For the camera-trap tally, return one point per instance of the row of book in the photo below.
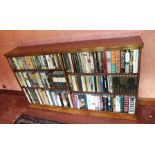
(117, 84)
(88, 83)
(48, 97)
(118, 103)
(121, 104)
(42, 79)
(51, 61)
(118, 61)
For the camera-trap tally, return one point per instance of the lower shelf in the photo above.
(85, 112)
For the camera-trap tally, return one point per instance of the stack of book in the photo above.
(36, 62)
(59, 79)
(118, 61)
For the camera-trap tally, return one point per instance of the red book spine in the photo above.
(126, 104)
(104, 62)
(72, 98)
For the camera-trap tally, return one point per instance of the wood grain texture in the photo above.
(84, 112)
(76, 46)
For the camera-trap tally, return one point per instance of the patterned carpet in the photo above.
(27, 119)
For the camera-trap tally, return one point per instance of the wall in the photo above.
(12, 39)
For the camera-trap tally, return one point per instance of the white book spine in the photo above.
(70, 61)
(118, 104)
(70, 101)
(83, 83)
(59, 102)
(135, 61)
(49, 98)
(74, 83)
(26, 79)
(108, 55)
(40, 101)
(54, 98)
(27, 95)
(132, 102)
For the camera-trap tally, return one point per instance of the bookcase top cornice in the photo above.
(76, 46)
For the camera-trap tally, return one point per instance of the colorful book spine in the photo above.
(126, 104)
(118, 64)
(113, 62)
(104, 62)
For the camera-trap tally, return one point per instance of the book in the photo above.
(104, 62)
(119, 104)
(92, 102)
(113, 62)
(126, 104)
(118, 64)
(123, 61)
(108, 56)
(135, 60)
(132, 101)
(127, 61)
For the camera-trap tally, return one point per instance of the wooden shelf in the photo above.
(102, 93)
(112, 43)
(84, 112)
(37, 70)
(45, 88)
(101, 73)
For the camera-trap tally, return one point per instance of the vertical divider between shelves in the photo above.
(15, 75)
(138, 77)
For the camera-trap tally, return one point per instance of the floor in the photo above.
(12, 106)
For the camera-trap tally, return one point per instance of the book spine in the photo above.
(126, 104)
(113, 62)
(132, 102)
(108, 55)
(118, 62)
(135, 61)
(79, 82)
(123, 61)
(127, 61)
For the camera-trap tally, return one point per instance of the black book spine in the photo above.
(74, 62)
(105, 103)
(45, 61)
(79, 82)
(61, 100)
(66, 62)
(105, 84)
(97, 62)
(94, 59)
(123, 61)
(68, 103)
(95, 83)
(77, 63)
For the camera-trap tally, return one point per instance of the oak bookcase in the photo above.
(69, 47)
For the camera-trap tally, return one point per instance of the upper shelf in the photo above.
(114, 43)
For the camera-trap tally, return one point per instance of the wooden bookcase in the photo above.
(80, 46)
